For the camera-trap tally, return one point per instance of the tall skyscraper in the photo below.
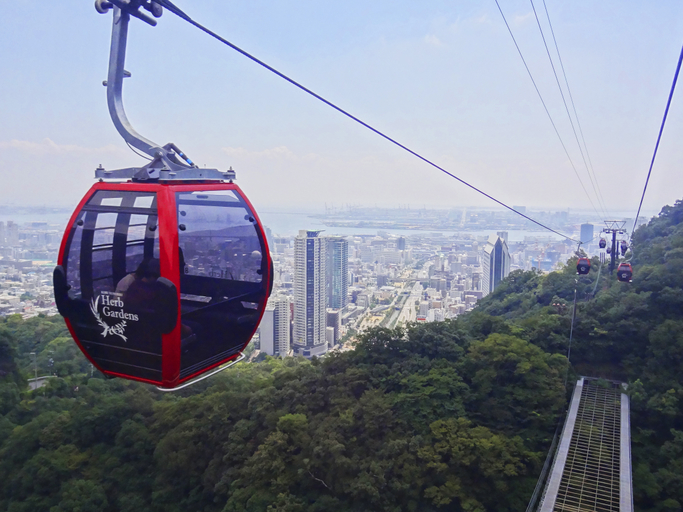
(495, 263)
(270, 239)
(337, 273)
(586, 233)
(12, 233)
(310, 294)
(274, 328)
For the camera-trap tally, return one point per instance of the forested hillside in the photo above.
(447, 416)
(410, 420)
(628, 331)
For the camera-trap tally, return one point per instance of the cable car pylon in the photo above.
(614, 227)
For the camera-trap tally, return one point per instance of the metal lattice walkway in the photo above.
(592, 467)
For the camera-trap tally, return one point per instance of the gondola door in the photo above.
(109, 286)
(225, 275)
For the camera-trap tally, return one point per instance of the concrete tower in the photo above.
(310, 294)
(495, 264)
(586, 233)
(274, 329)
(337, 273)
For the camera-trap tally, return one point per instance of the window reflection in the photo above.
(119, 316)
(218, 238)
(221, 283)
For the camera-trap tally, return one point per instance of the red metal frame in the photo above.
(170, 267)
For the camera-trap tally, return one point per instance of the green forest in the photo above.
(454, 416)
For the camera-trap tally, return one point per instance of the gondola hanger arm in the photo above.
(168, 161)
(116, 73)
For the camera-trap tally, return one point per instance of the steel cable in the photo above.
(175, 10)
(546, 110)
(571, 100)
(659, 138)
(566, 108)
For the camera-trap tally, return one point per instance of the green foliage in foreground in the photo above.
(423, 419)
(632, 332)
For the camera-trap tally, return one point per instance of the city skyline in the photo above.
(326, 289)
(288, 223)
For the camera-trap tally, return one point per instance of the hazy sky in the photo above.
(443, 78)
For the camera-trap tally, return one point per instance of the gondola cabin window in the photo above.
(112, 267)
(222, 269)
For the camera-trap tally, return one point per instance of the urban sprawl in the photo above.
(327, 288)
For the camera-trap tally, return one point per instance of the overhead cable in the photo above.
(566, 108)
(571, 100)
(172, 8)
(546, 110)
(597, 280)
(659, 138)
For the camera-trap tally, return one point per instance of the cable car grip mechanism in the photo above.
(168, 162)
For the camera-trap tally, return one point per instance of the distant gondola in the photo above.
(624, 247)
(625, 273)
(603, 243)
(583, 266)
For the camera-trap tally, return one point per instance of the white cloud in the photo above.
(433, 40)
(519, 19)
(281, 153)
(47, 146)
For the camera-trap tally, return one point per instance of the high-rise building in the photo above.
(586, 233)
(274, 328)
(334, 322)
(329, 336)
(337, 273)
(12, 233)
(367, 254)
(310, 294)
(401, 244)
(495, 263)
(270, 239)
(476, 281)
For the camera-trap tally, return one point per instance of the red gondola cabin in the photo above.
(162, 282)
(583, 266)
(625, 272)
